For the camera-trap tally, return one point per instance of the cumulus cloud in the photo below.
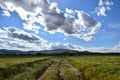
(69, 22)
(108, 3)
(52, 18)
(31, 26)
(15, 33)
(8, 44)
(69, 11)
(25, 9)
(17, 39)
(103, 7)
(100, 2)
(85, 20)
(29, 6)
(58, 45)
(6, 13)
(57, 21)
(18, 45)
(27, 46)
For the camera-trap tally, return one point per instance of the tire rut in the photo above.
(59, 76)
(61, 69)
(68, 72)
(43, 70)
(52, 72)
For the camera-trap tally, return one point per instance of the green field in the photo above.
(11, 60)
(85, 67)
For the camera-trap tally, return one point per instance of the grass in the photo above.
(85, 67)
(33, 72)
(6, 61)
(97, 67)
(14, 69)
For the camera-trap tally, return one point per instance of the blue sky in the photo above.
(92, 25)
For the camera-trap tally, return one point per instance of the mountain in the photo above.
(46, 52)
(54, 52)
(58, 51)
(5, 51)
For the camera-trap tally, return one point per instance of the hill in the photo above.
(54, 52)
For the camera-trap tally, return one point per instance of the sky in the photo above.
(83, 25)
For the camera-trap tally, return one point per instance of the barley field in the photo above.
(84, 67)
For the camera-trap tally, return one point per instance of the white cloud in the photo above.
(103, 7)
(100, 2)
(58, 45)
(31, 26)
(108, 3)
(85, 20)
(24, 45)
(83, 26)
(101, 11)
(24, 9)
(15, 33)
(31, 21)
(87, 26)
(68, 24)
(29, 6)
(17, 39)
(69, 11)
(6, 13)
(52, 18)
(18, 45)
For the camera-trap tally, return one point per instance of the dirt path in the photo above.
(52, 73)
(61, 69)
(57, 68)
(68, 72)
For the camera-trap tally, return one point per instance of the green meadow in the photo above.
(84, 67)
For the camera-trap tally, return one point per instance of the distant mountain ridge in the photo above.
(5, 51)
(49, 52)
(56, 51)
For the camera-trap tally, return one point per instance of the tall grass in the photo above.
(97, 67)
(61, 68)
(34, 72)
(6, 61)
(7, 72)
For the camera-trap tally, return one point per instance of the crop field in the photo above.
(11, 60)
(97, 67)
(85, 67)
